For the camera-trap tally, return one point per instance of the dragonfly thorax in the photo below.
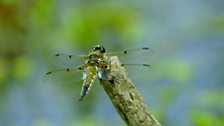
(93, 59)
(92, 62)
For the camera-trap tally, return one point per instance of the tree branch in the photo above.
(125, 98)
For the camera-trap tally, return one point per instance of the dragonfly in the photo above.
(94, 63)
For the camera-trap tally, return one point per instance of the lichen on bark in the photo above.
(126, 99)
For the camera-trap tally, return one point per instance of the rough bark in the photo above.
(125, 98)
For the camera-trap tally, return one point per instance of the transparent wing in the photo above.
(138, 72)
(65, 75)
(127, 52)
(140, 65)
(72, 57)
(135, 57)
(66, 60)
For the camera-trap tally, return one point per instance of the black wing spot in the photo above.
(67, 69)
(48, 73)
(70, 56)
(146, 65)
(145, 48)
(125, 52)
(122, 65)
(57, 54)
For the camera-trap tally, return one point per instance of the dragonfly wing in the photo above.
(128, 52)
(138, 71)
(65, 75)
(67, 60)
(138, 65)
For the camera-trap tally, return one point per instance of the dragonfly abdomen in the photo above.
(88, 80)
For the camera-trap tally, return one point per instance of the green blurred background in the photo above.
(184, 87)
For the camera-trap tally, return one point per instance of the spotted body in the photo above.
(96, 60)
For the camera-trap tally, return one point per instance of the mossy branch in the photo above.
(125, 98)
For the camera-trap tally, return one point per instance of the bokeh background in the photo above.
(184, 87)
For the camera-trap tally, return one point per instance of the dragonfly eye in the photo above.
(99, 48)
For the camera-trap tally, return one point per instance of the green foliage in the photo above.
(204, 118)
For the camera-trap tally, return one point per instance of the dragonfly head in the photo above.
(98, 48)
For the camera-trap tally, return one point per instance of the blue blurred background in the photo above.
(184, 87)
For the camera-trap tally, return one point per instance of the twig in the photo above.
(125, 98)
